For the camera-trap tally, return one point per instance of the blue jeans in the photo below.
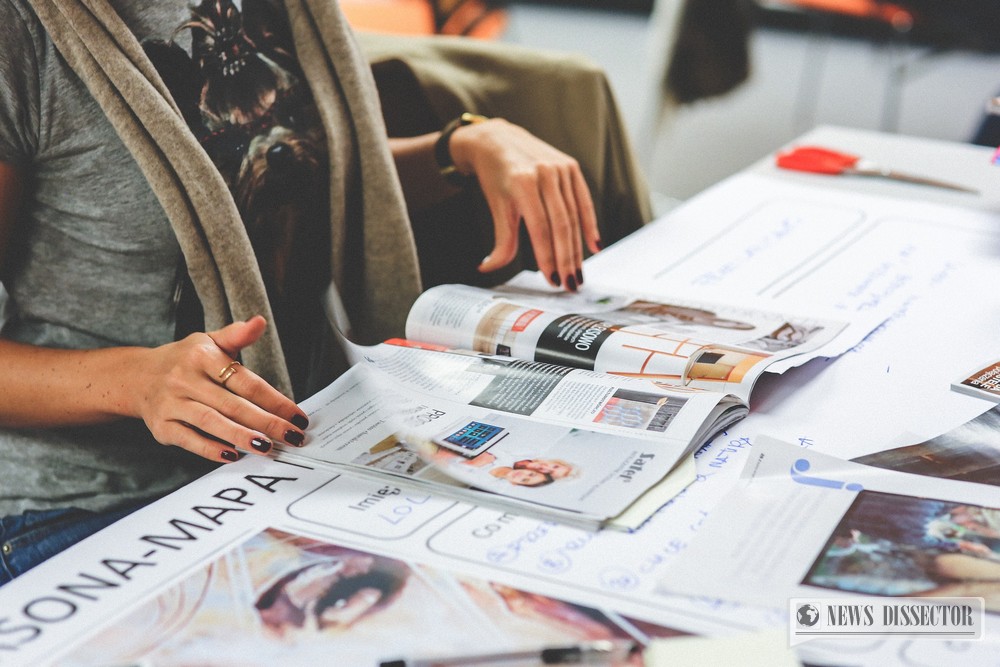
(30, 538)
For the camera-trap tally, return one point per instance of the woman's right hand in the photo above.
(184, 398)
(176, 388)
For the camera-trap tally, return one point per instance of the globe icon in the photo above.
(807, 615)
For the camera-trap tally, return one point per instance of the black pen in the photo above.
(604, 652)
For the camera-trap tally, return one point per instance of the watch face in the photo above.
(472, 438)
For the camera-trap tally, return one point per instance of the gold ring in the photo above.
(228, 372)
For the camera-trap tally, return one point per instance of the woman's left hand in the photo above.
(525, 179)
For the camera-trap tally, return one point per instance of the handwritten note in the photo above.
(376, 509)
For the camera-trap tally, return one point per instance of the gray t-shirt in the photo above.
(93, 263)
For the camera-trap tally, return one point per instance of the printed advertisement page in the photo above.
(577, 444)
(625, 406)
(680, 344)
(795, 336)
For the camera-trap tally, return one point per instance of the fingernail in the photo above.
(579, 276)
(294, 438)
(600, 244)
(301, 421)
(555, 279)
(571, 283)
(229, 455)
(261, 444)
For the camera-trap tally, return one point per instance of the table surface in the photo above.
(965, 164)
(452, 546)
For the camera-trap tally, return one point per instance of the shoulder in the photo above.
(16, 14)
(20, 29)
(22, 45)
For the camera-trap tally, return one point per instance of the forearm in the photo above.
(45, 387)
(190, 393)
(525, 182)
(11, 193)
(418, 171)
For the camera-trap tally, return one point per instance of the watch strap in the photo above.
(442, 151)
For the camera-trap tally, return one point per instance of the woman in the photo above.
(522, 476)
(555, 468)
(105, 352)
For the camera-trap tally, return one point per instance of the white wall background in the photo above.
(798, 80)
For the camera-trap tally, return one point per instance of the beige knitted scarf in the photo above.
(109, 59)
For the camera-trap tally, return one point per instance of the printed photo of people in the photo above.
(788, 335)
(535, 472)
(555, 468)
(895, 545)
(785, 336)
(651, 312)
(291, 599)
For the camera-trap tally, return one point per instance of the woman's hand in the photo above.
(178, 389)
(193, 395)
(524, 178)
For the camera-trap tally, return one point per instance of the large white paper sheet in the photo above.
(921, 273)
(234, 568)
(925, 273)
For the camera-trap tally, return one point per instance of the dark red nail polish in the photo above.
(579, 277)
(571, 283)
(301, 421)
(600, 244)
(261, 445)
(294, 438)
(555, 279)
(229, 455)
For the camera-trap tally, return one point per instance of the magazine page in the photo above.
(673, 343)
(500, 429)
(857, 530)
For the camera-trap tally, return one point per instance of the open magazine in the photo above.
(567, 406)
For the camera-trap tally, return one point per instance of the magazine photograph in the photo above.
(294, 599)
(904, 546)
